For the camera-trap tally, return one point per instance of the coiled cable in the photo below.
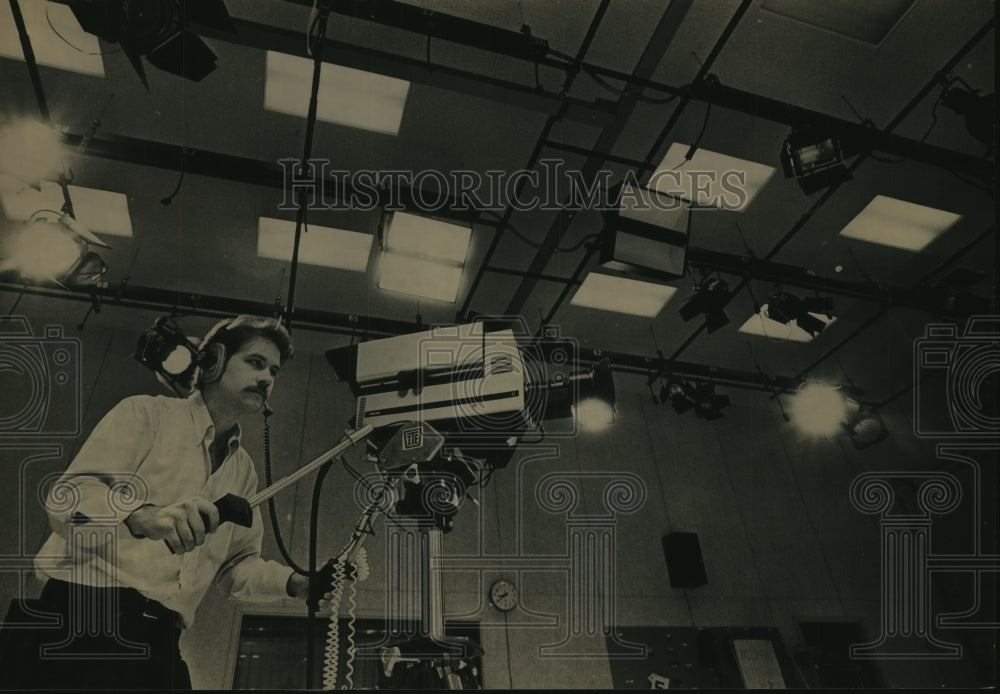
(331, 655)
(331, 652)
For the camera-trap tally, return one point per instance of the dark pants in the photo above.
(78, 637)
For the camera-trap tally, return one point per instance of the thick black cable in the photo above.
(270, 504)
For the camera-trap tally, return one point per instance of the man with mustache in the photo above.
(136, 529)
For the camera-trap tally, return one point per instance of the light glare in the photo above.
(818, 409)
(41, 251)
(30, 151)
(593, 414)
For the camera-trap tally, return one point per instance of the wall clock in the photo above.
(503, 595)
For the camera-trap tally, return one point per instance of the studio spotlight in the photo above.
(864, 425)
(708, 405)
(686, 395)
(157, 29)
(710, 299)
(818, 409)
(784, 307)
(815, 159)
(54, 251)
(166, 351)
(977, 110)
(680, 395)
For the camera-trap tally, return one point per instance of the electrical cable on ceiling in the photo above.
(689, 155)
(311, 26)
(535, 244)
(170, 198)
(974, 184)
(67, 41)
(860, 267)
(591, 72)
(743, 239)
(886, 160)
(594, 75)
(768, 381)
(930, 128)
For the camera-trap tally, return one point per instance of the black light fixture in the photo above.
(646, 235)
(815, 159)
(684, 395)
(864, 425)
(784, 307)
(680, 394)
(977, 110)
(710, 299)
(165, 350)
(157, 29)
(708, 404)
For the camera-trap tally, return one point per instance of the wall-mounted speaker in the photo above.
(684, 562)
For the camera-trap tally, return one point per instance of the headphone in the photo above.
(212, 362)
(212, 357)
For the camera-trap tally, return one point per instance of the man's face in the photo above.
(249, 374)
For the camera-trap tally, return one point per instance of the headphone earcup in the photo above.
(212, 361)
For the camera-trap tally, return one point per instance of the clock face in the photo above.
(503, 595)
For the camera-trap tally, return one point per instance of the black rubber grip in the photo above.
(232, 509)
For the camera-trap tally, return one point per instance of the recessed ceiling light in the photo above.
(900, 224)
(324, 246)
(101, 211)
(422, 236)
(760, 324)
(856, 19)
(420, 277)
(346, 96)
(709, 179)
(76, 50)
(622, 295)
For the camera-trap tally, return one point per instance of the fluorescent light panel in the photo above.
(101, 211)
(760, 324)
(900, 224)
(678, 179)
(83, 56)
(420, 277)
(422, 236)
(622, 295)
(324, 246)
(346, 96)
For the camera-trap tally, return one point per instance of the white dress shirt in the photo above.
(155, 450)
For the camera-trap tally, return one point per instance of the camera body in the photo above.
(41, 381)
(971, 367)
(482, 384)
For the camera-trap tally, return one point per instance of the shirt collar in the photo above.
(203, 425)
